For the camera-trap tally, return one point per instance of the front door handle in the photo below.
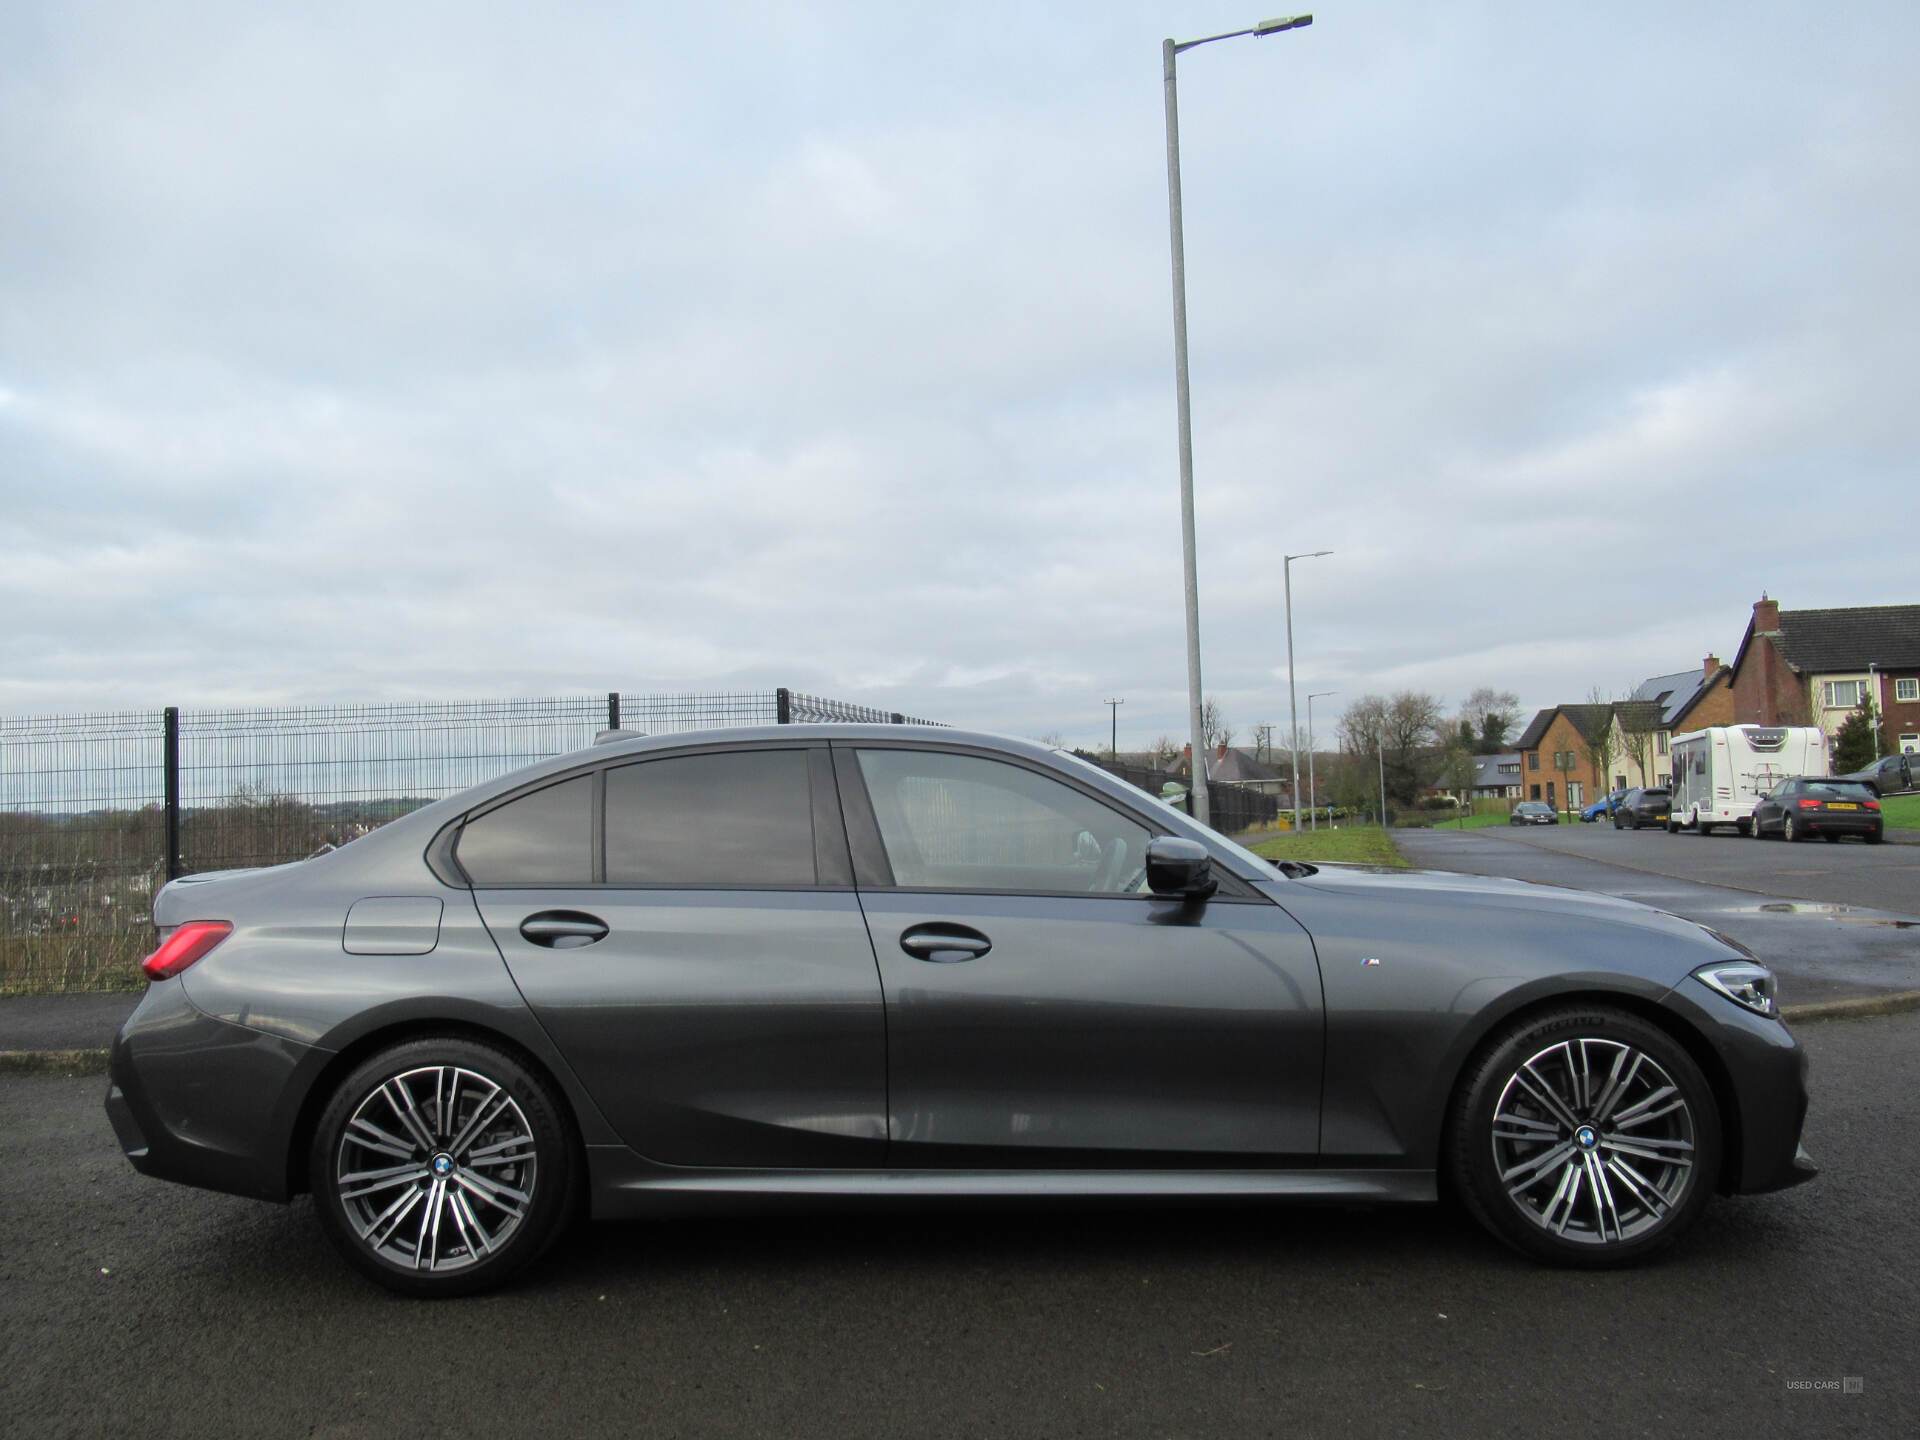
(562, 929)
(944, 944)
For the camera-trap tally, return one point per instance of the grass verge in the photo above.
(1351, 844)
(1901, 812)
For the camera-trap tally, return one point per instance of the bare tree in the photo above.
(1166, 750)
(1487, 715)
(1213, 726)
(1403, 731)
(1639, 720)
(1598, 743)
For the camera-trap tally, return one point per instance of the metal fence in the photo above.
(1231, 808)
(97, 811)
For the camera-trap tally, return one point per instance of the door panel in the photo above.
(1097, 1030)
(738, 1028)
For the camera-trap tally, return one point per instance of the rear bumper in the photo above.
(1818, 824)
(201, 1101)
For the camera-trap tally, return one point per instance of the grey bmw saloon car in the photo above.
(850, 963)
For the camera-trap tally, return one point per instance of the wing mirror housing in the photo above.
(1176, 866)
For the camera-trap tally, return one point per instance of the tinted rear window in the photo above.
(741, 818)
(545, 838)
(1840, 790)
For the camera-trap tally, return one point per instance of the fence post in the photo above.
(613, 709)
(170, 753)
(783, 706)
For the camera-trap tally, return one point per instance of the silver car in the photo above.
(750, 968)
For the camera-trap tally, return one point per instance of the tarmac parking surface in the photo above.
(132, 1305)
(1833, 921)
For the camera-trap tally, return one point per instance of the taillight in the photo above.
(1809, 804)
(1869, 804)
(184, 946)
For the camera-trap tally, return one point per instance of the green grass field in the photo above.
(1354, 844)
(1902, 812)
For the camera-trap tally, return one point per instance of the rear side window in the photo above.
(545, 838)
(741, 818)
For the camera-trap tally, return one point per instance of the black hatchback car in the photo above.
(1533, 812)
(1650, 806)
(1810, 805)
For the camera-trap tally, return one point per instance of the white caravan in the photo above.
(1721, 772)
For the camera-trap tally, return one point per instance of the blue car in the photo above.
(1602, 807)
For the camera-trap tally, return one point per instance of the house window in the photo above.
(1842, 694)
(1660, 742)
(1573, 794)
(1533, 763)
(1619, 782)
(1908, 689)
(1534, 792)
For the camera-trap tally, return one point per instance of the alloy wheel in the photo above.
(1593, 1141)
(436, 1168)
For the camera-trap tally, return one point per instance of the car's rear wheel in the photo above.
(442, 1166)
(1585, 1136)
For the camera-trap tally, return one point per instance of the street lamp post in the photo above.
(1168, 50)
(1313, 790)
(1293, 714)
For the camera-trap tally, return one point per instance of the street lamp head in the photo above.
(1290, 22)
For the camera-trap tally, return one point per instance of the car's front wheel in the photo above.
(442, 1166)
(1585, 1136)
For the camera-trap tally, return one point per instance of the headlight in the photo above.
(1744, 983)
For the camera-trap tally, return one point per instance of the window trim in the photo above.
(873, 871)
(832, 866)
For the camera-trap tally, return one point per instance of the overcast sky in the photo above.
(398, 350)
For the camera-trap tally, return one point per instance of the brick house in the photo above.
(1684, 701)
(1813, 667)
(1554, 763)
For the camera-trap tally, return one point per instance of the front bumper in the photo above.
(204, 1102)
(1764, 1095)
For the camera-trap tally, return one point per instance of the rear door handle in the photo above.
(562, 929)
(944, 944)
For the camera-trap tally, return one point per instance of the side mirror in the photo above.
(1179, 867)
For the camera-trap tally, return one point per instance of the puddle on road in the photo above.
(1848, 914)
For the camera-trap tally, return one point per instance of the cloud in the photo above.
(411, 350)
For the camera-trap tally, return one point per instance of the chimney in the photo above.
(1766, 616)
(1221, 752)
(1711, 665)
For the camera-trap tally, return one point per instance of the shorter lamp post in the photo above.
(1313, 791)
(1293, 712)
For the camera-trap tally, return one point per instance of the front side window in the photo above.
(738, 818)
(960, 822)
(544, 838)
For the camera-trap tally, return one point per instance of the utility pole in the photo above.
(1113, 716)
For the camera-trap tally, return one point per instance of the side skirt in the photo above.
(628, 1187)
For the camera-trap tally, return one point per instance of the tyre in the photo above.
(1616, 819)
(1673, 826)
(1789, 831)
(1873, 837)
(442, 1166)
(1585, 1136)
(1700, 822)
(1744, 827)
(1633, 822)
(1753, 829)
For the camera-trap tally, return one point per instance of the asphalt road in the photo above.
(132, 1305)
(1812, 912)
(1850, 872)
